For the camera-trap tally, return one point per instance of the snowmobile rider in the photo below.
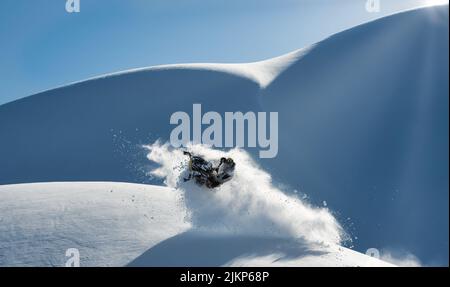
(205, 174)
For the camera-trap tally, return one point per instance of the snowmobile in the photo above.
(203, 172)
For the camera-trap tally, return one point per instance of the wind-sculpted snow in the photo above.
(250, 203)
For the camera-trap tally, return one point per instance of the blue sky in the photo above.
(42, 46)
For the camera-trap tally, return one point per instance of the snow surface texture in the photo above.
(109, 223)
(363, 119)
(117, 224)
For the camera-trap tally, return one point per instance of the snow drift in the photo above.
(248, 204)
(117, 224)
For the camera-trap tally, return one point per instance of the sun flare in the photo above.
(435, 2)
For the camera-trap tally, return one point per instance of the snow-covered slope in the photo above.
(118, 224)
(110, 223)
(363, 125)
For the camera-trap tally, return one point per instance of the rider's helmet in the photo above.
(230, 162)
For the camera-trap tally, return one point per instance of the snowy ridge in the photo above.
(261, 72)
